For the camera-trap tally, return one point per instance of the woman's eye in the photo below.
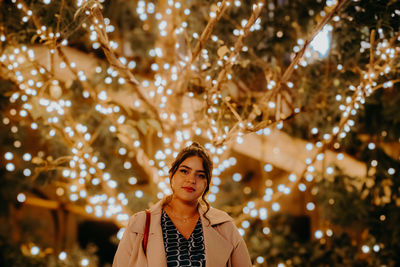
(183, 171)
(202, 176)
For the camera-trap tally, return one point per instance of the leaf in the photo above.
(369, 182)
(37, 160)
(222, 51)
(143, 127)
(129, 131)
(214, 8)
(37, 110)
(133, 133)
(364, 194)
(123, 138)
(257, 109)
(183, 49)
(156, 125)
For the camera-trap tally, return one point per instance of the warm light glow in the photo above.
(62, 256)
(35, 250)
(44, 104)
(321, 42)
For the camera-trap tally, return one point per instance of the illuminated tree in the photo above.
(98, 97)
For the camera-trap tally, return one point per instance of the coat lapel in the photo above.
(156, 241)
(218, 249)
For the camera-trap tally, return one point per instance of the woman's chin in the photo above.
(189, 199)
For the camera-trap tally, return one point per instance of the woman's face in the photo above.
(189, 181)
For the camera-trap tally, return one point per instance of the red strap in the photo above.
(146, 231)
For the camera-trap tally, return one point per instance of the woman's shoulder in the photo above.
(137, 222)
(225, 225)
(217, 216)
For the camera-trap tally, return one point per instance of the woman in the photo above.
(183, 231)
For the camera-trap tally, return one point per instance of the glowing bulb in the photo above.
(329, 232)
(21, 197)
(292, 177)
(310, 206)
(321, 42)
(212, 197)
(84, 262)
(27, 172)
(371, 146)
(318, 234)
(139, 194)
(10, 167)
(112, 184)
(263, 213)
(8, 156)
(302, 187)
(329, 170)
(268, 167)
(62, 256)
(276, 207)
(35, 250)
(245, 224)
(237, 177)
(365, 248)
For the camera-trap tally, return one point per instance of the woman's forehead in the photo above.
(193, 162)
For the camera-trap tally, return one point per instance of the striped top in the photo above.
(179, 251)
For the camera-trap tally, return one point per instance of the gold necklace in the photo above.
(180, 218)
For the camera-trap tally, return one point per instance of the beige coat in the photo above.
(223, 244)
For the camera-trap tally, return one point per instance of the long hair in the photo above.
(195, 149)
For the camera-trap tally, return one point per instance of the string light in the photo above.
(62, 255)
(80, 135)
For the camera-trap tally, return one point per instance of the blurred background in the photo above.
(297, 101)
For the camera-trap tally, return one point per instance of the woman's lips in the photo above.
(188, 189)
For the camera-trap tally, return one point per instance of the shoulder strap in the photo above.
(146, 231)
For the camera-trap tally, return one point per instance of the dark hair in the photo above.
(195, 149)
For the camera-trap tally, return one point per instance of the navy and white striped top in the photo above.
(179, 251)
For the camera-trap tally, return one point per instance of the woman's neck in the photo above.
(181, 208)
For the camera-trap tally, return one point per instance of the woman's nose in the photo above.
(191, 178)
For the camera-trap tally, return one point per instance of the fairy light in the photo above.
(260, 260)
(62, 256)
(302, 187)
(365, 249)
(310, 206)
(266, 230)
(10, 167)
(329, 232)
(8, 156)
(329, 170)
(35, 250)
(85, 262)
(263, 213)
(276, 207)
(318, 234)
(237, 177)
(371, 146)
(21, 197)
(321, 42)
(268, 168)
(245, 224)
(144, 11)
(27, 172)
